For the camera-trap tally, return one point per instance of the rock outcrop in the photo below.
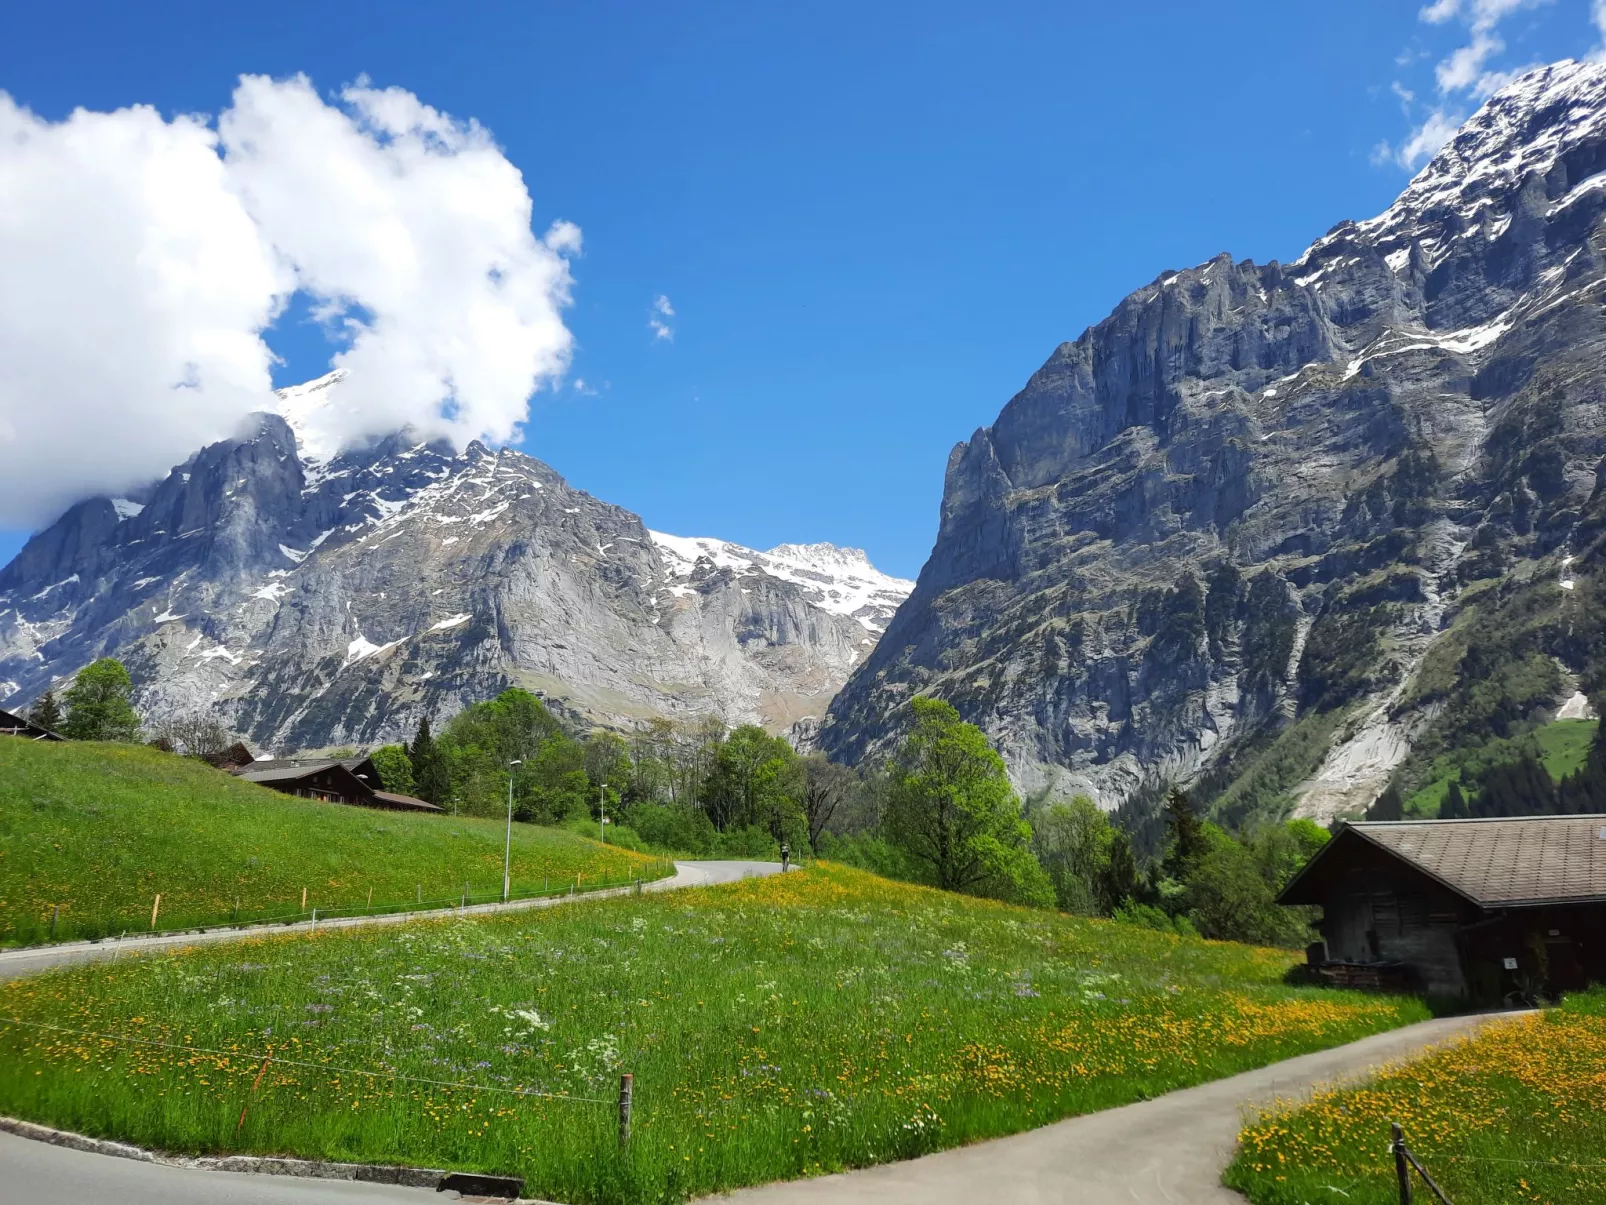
(1239, 511)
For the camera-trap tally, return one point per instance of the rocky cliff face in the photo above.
(1220, 534)
(311, 602)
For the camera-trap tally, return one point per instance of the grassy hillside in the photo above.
(1516, 1114)
(775, 1028)
(1563, 746)
(100, 829)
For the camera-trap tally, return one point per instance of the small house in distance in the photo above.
(350, 780)
(1473, 908)
(16, 725)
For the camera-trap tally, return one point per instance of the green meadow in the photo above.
(775, 1028)
(91, 832)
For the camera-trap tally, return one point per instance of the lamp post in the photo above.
(507, 850)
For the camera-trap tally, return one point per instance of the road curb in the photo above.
(266, 1165)
(311, 1169)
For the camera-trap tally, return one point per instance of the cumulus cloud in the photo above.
(145, 258)
(1464, 74)
(658, 318)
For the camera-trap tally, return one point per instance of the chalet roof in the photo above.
(1496, 863)
(266, 772)
(306, 764)
(408, 803)
(16, 725)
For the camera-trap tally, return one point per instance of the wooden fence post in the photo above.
(420, 893)
(1402, 1169)
(370, 899)
(156, 906)
(303, 899)
(627, 1083)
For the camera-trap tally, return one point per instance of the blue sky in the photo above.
(872, 222)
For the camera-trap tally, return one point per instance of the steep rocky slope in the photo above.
(313, 601)
(1239, 532)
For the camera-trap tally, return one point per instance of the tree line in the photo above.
(939, 811)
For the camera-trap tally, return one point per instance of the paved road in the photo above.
(36, 1173)
(16, 963)
(1167, 1151)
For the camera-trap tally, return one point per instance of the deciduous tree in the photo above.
(98, 706)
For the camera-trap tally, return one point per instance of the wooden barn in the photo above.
(16, 725)
(351, 780)
(1472, 908)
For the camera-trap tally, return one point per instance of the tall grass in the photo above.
(775, 1028)
(90, 833)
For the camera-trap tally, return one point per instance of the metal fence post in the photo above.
(626, 1091)
(1402, 1169)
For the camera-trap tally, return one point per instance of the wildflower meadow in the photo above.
(1515, 1114)
(775, 1028)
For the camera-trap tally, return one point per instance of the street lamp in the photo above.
(507, 850)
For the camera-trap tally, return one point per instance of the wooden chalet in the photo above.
(1473, 908)
(350, 780)
(16, 725)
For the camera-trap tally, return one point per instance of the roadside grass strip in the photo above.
(91, 833)
(775, 1028)
(1516, 1114)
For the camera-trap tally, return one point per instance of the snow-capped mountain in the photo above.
(841, 581)
(1236, 532)
(310, 597)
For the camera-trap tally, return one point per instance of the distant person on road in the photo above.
(786, 857)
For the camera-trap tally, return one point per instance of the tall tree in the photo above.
(1454, 806)
(950, 807)
(1119, 881)
(1072, 840)
(1185, 833)
(98, 707)
(395, 768)
(430, 773)
(46, 712)
(826, 788)
(1388, 805)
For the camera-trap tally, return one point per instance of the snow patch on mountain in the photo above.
(841, 581)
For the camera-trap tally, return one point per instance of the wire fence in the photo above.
(59, 926)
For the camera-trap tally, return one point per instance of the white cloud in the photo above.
(145, 257)
(1423, 143)
(1597, 14)
(658, 318)
(1464, 71)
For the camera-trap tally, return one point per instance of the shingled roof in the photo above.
(1496, 863)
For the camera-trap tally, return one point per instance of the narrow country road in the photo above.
(31, 959)
(1167, 1151)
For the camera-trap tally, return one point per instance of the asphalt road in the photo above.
(16, 963)
(36, 1173)
(1167, 1151)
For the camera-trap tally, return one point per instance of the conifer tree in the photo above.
(46, 712)
(430, 773)
(1186, 835)
(1388, 806)
(1455, 803)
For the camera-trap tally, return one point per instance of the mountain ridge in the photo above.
(338, 597)
(1146, 565)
